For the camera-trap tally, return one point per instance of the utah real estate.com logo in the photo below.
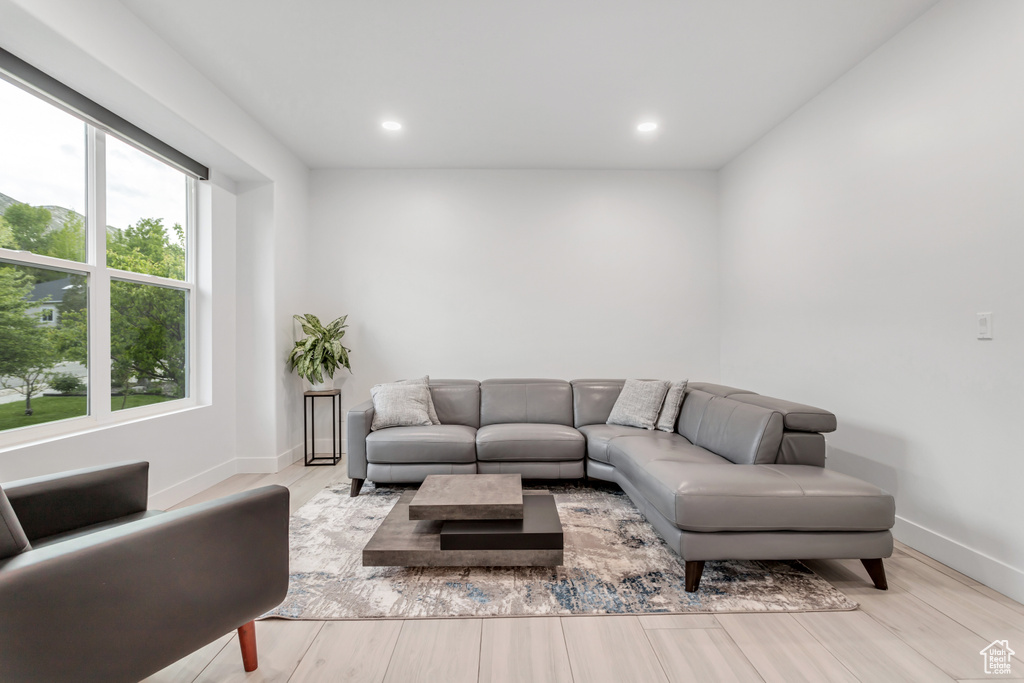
(997, 657)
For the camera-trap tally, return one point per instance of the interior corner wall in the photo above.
(860, 238)
(254, 311)
(481, 274)
(291, 286)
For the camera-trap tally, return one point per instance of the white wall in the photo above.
(860, 238)
(479, 274)
(101, 49)
(253, 308)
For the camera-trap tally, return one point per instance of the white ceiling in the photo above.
(523, 83)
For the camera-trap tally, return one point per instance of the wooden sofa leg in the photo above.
(247, 639)
(694, 569)
(356, 485)
(876, 570)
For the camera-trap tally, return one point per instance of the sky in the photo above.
(42, 163)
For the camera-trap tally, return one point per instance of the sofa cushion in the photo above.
(525, 441)
(599, 438)
(775, 498)
(650, 463)
(639, 403)
(796, 416)
(742, 433)
(504, 401)
(457, 401)
(695, 403)
(422, 444)
(592, 400)
(632, 451)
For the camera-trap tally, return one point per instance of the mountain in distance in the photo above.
(58, 214)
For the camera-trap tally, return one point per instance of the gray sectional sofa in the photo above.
(741, 477)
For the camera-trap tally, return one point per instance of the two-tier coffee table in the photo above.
(469, 520)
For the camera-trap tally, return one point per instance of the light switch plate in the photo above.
(985, 325)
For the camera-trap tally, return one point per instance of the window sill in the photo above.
(35, 435)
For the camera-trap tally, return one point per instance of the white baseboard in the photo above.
(269, 465)
(992, 572)
(323, 446)
(288, 457)
(172, 495)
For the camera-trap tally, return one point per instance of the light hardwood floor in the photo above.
(929, 626)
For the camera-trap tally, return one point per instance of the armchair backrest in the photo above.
(55, 503)
(12, 537)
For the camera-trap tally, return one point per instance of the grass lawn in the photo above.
(50, 408)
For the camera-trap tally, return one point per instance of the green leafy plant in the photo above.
(65, 382)
(321, 350)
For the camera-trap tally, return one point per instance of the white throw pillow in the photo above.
(399, 405)
(639, 403)
(425, 380)
(670, 408)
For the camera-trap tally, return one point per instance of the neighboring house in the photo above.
(46, 296)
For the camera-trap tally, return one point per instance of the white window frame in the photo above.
(98, 277)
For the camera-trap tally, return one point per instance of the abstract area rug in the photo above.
(615, 563)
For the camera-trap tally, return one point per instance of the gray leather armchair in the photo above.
(95, 587)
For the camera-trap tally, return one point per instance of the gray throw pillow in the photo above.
(425, 380)
(638, 403)
(399, 405)
(670, 408)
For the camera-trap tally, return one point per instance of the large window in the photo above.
(96, 281)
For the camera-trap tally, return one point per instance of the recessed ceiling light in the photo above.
(647, 127)
(391, 125)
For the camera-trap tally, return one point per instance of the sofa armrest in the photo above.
(357, 427)
(56, 503)
(122, 603)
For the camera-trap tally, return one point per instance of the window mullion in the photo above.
(192, 265)
(99, 287)
(156, 280)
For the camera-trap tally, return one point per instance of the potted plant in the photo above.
(320, 351)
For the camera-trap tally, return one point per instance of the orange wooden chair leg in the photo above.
(247, 639)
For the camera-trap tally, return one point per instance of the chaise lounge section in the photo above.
(741, 477)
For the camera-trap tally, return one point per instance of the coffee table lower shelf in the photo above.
(402, 542)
